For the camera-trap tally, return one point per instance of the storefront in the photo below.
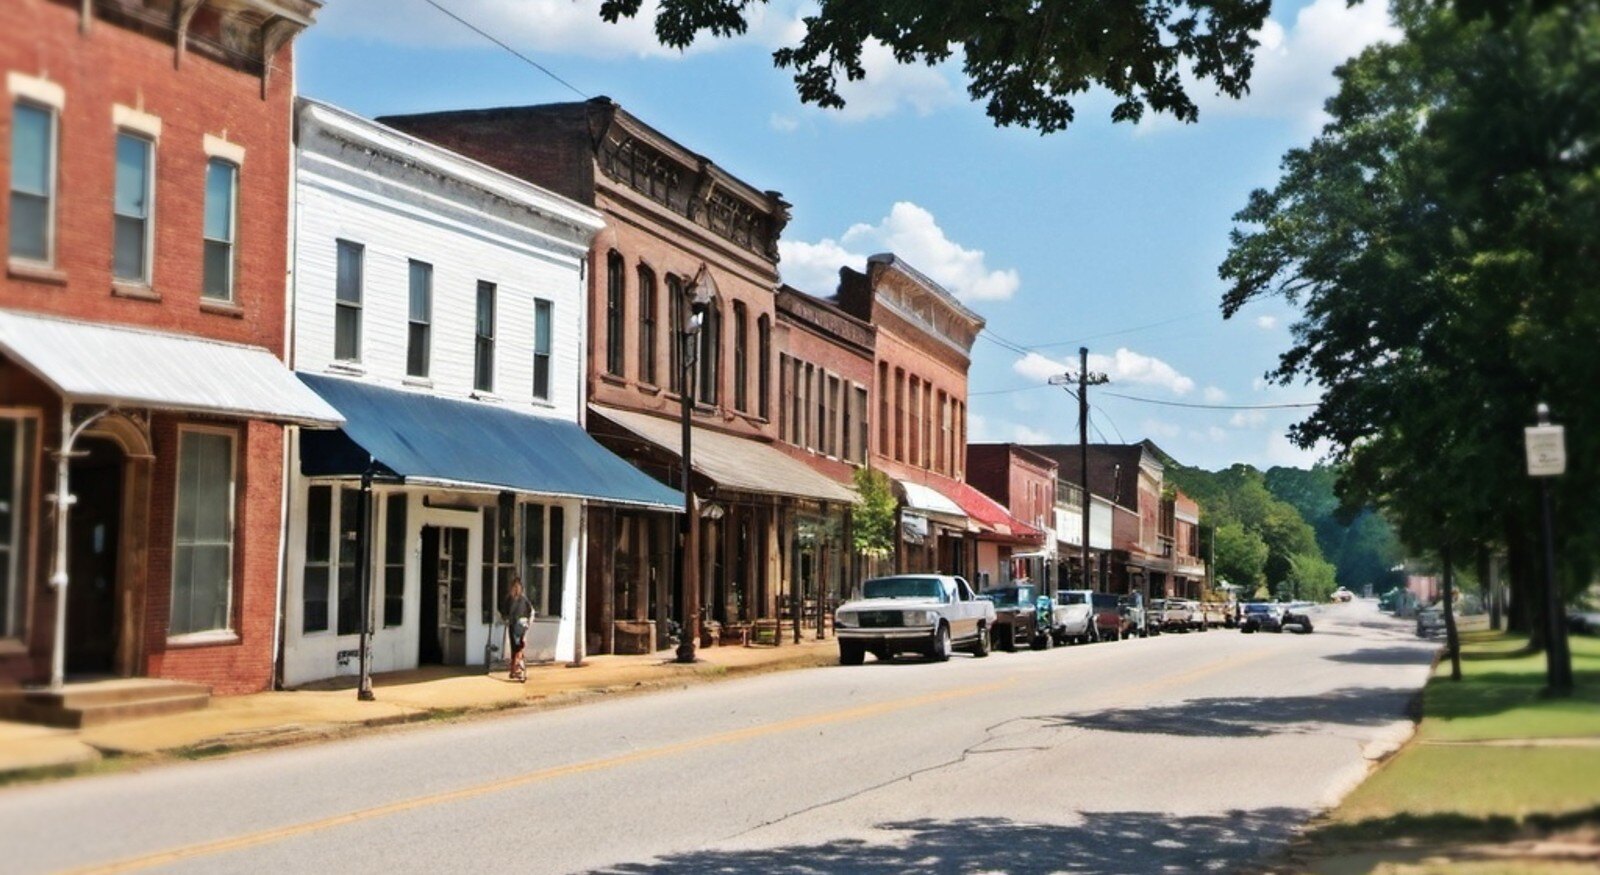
(935, 533)
(446, 502)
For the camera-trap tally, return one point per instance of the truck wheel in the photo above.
(939, 648)
(851, 652)
(1008, 640)
(981, 649)
(1043, 642)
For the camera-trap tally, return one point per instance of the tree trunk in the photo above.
(1489, 581)
(1522, 610)
(1452, 642)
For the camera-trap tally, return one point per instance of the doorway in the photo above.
(442, 629)
(92, 556)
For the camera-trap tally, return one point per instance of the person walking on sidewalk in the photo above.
(519, 616)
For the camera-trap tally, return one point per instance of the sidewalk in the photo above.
(331, 710)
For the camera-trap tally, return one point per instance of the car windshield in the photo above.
(1071, 598)
(1257, 608)
(1011, 595)
(903, 588)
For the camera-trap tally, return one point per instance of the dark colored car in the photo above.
(1260, 617)
(1020, 615)
(1297, 615)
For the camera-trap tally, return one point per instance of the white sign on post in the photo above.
(1547, 450)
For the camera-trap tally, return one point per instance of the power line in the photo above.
(1163, 403)
(1118, 332)
(496, 40)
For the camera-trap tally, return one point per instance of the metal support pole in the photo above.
(689, 632)
(364, 575)
(58, 574)
(1558, 663)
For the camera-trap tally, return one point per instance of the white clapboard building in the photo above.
(438, 305)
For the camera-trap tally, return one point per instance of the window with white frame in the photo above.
(131, 206)
(420, 325)
(544, 554)
(347, 301)
(543, 313)
(222, 187)
(202, 554)
(483, 342)
(347, 617)
(499, 555)
(330, 591)
(394, 560)
(16, 464)
(33, 182)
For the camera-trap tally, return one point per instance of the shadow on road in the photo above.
(1111, 842)
(1250, 717)
(1385, 656)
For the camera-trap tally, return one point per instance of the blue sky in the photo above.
(1103, 235)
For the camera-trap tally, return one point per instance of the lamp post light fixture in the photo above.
(698, 296)
(1547, 458)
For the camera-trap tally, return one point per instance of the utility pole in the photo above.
(1547, 457)
(1084, 379)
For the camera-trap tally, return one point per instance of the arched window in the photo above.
(647, 325)
(741, 357)
(709, 363)
(614, 290)
(763, 366)
(675, 322)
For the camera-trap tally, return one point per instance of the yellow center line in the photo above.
(249, 840)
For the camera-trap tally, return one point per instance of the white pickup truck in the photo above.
(930, 614)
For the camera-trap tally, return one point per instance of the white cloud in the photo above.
(910, 232)
(783, 124)
(1260, 384)
(1280, 451)
(1248, 419)
(1214, 395)
(1266, 323)
(890, 86)
(1124, 366)
(1217, 435)
(1023, 434)
(551, 26)
(1294, 66)
(1157, 428)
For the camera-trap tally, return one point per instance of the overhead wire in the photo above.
(497, 41)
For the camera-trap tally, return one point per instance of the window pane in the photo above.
(315, 598)
(219, 270)
(319, 504)
(10, 510)
(133, 176)
(558, 550)
(533, 553)
(417, 350)
(219, 201)
(485, 309)
(31, 150)
(347, 333)
(202, 577)
(541, 377)
(394, 596)
(128, 253)
(421, 292)
(350, 524)
(542, 312)
(349, 272)
(394, 538)
(349, 601)
(30, 226)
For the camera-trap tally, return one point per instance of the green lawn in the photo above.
(1500, 694)
(1478, 782)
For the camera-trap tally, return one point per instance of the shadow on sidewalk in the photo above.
(1110, 842)
(1418, 655)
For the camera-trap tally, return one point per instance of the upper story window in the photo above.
(543, 312)
(614, 292)
(675, 322)
(222, 186)
(33, 182)
(647, 325)
(420, 327)
(131, 207)
(862, 431)
(741, 357)
(483, 342)
(764, 367)
(347, 302)
(708, 364)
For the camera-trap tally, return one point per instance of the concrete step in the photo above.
(96, 703)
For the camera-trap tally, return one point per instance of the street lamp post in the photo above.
(1547, 458)
(702, 290)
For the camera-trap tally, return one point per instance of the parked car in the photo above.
(1197, 615)
(1153, 613)
(1215, 614)
(1430, 622)
(1075, 616)
(1343, 595)
(1584, 622)
(1132, 607)
(1109, 621)
(1175, 615)
(1021, 615)
(1261, 617)
(1298, 614)
(930, 614)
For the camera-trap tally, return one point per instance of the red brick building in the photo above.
(1024, 482)
(673, 216)
(919, 416)
(147, 148)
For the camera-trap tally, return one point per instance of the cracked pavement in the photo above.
(1174, 754)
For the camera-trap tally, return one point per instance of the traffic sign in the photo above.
(1547, 450)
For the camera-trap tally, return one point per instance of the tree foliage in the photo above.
(1359, 542)
(1026, 59)
(1442, 234)
(872, 519)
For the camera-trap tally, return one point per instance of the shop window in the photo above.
(499, 555)
(318, 562)
(348, 615)
(16, 474)
(202, 560)
(544, 557)
(394, 560)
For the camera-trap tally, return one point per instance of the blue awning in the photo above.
(432, 440)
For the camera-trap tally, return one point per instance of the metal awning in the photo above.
(734, 463)
(927, 500)
(115, 365)
(426, 439)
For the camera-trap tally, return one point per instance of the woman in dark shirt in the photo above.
(519, 615)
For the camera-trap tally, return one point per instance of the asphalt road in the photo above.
(1173, 754)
